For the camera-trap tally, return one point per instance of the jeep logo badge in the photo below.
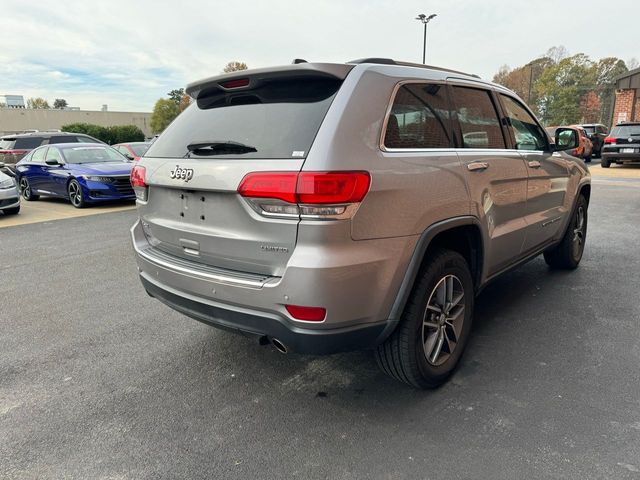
(178, 173)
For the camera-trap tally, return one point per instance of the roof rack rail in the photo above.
(390, 61)
(296, 61)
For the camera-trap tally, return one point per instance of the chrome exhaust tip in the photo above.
(281, 347)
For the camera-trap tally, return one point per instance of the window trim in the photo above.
(385, 122)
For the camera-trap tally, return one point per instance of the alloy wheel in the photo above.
(25, 188)
(578, 232)
(75, 194)
(442, 320)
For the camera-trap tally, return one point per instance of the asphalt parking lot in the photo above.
(97, 380)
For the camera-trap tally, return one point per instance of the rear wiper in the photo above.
(219, 148)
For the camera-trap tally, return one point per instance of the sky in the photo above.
(129, 53)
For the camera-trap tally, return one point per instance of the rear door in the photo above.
(55, 176)
(194, 169)
(34, 171)
(548, 173)
(496, 175)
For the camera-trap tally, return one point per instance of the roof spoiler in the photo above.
(248, 79)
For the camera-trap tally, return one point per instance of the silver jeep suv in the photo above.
(327, 207)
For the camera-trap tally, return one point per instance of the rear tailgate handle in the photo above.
(476, 166)
(190, 246)
(534, 164)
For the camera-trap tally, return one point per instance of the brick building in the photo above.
(627, 106)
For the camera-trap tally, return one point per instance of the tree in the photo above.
(111, 135)
(633, 63)
(176, 95)
(590, 107)
(556, 54)
(185, 101)
(38, 102)
(234, 67)
(561, 87)
(164, 112)
(60, 103)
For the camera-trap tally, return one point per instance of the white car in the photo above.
(9, 198)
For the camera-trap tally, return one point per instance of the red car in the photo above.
(133, 150)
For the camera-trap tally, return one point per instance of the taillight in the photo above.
(277, 185)
(138, 182)
(610, 141)
(318, 195)
(240, 82)
(307, 314)
(318, 188)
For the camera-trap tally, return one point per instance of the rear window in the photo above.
(7, 143)
(626, 131)
(139, 150)
(278, 119)
(590, 130)
(27, 143)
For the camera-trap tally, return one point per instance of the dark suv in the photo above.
(14, 147)
(597, 133)
(622, 145)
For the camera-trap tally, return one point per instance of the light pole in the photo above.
(424, 19)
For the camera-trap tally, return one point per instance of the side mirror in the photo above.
(52, 162)
(566, 139)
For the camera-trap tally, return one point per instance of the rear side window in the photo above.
(38, 155)
(27, 143)
(85, 139)
(527, 133)
(419, 118)
(63, 139)
(478, 119)
(277, 119)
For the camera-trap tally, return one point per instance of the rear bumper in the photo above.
(257, 324)
(621, 157)
(357, 294)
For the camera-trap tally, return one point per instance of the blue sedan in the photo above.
(84, 173)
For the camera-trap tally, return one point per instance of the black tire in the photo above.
(76, 197)
(25, 190)
(605, 163)
(12, 211)
(403, 355)
(568, 253)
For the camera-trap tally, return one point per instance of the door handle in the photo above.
(476, 166)
(534, 164)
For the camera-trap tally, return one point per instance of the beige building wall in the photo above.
(19, 119)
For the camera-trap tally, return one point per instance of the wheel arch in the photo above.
(461, 234)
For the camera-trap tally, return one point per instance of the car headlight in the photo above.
(7, 183)
(96, 178)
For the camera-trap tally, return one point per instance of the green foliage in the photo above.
(60, 103)
(111, 135)
(563, 89)
(164, 112)
(176, 95)
(38, 103)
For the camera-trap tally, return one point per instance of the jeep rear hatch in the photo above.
(246, 122)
